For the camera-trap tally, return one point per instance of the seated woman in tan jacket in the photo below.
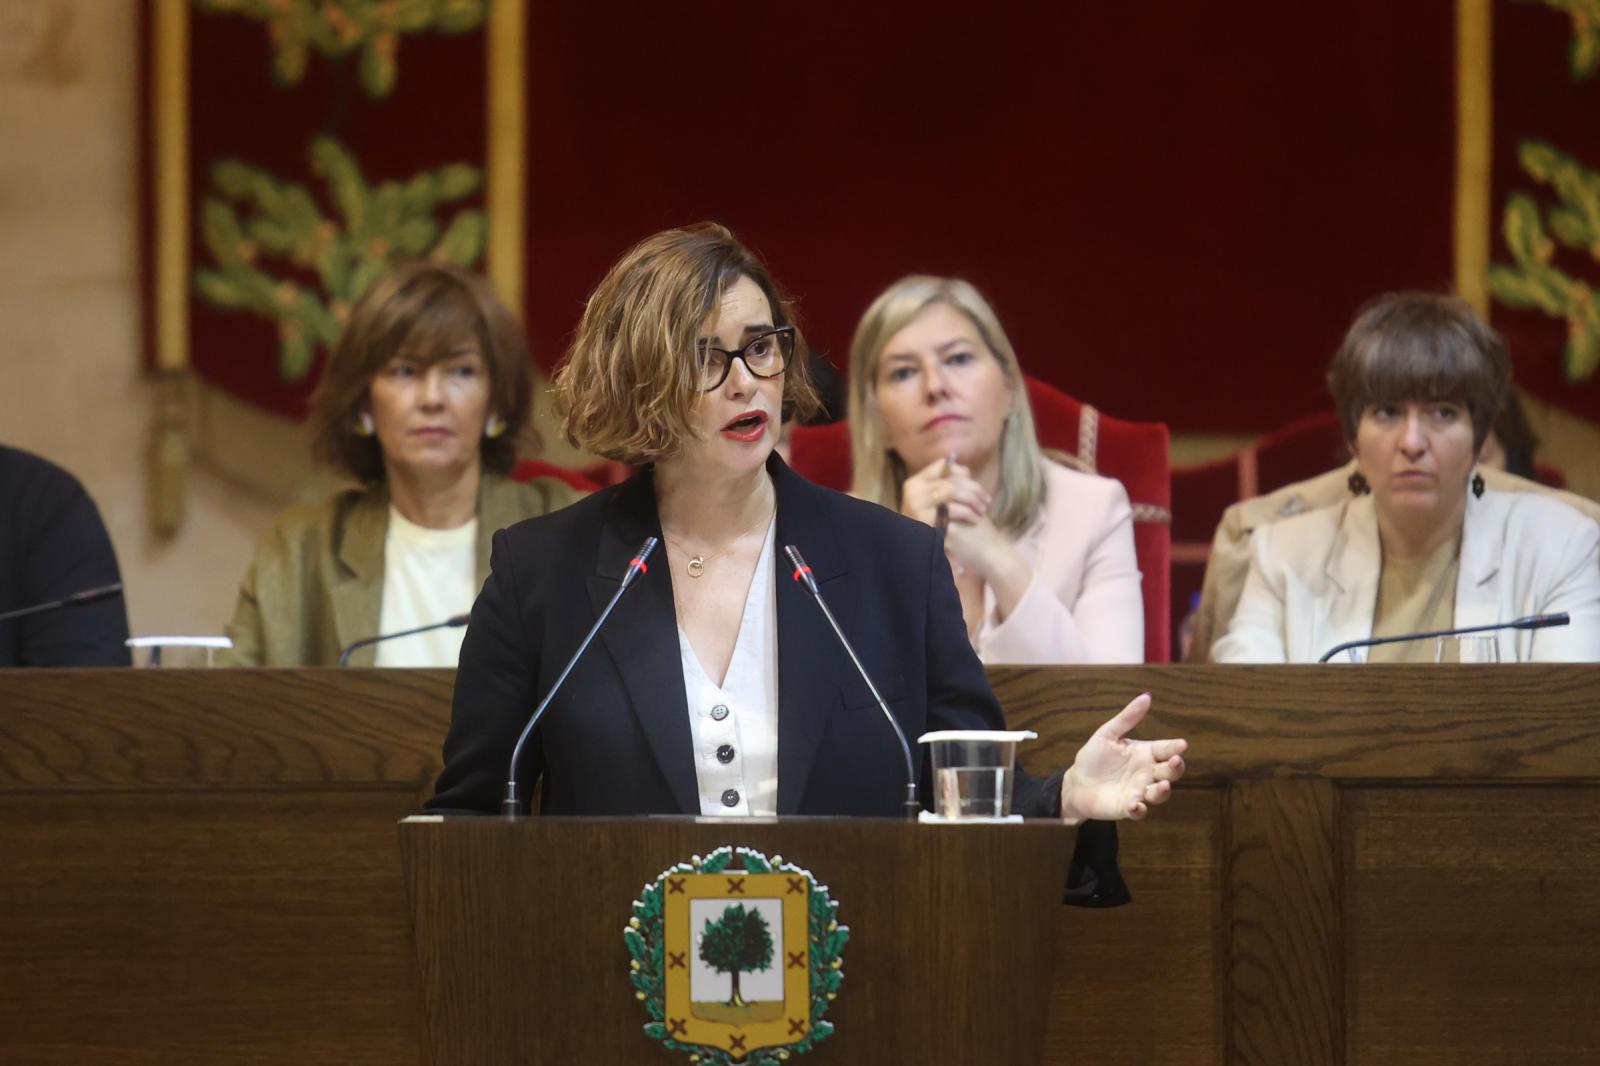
(1422, 542)
(421, 403)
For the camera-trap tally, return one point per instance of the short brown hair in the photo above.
(632, 376)
(1419, 347)
(424, 309)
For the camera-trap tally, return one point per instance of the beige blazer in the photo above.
(316, 584)
(1313, 580)
(1084, 604)
(1229, 562)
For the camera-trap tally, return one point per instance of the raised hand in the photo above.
(1114, 778)
(934, 484)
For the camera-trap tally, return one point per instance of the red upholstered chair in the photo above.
(1138, 454)
(822, 454)
(1302, 449)
(1135, 453)
(586, 480)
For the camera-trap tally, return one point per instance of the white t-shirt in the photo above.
(734, 726)
(428, 576)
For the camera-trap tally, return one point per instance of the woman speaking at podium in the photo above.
(715, 686)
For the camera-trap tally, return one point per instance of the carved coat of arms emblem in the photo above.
(736, 958)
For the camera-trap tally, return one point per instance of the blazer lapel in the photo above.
(1482, 547)
(642, 635)
(808, 688)
(498, 507)
(1352, 576)
(357, 592)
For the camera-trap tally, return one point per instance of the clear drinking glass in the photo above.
(1478, 648)
(973, 771)
(176, 652)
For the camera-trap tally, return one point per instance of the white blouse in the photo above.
(734, 726)
(428, 575)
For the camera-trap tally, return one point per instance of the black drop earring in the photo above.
(1358, 484)
(1477, 485)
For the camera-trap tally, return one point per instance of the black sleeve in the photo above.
(959, 697)
(494, 696)
(62, 548)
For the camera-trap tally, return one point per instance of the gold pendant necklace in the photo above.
(697, 563)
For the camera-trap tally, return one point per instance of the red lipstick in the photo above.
(748, 427)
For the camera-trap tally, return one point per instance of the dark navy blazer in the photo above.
(616, 741)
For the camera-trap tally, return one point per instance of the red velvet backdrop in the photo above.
(1176, 206)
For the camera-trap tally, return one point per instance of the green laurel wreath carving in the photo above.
(338, 27)
(254, 217)
(1585, 16)
(646, 944)
(1534, 280)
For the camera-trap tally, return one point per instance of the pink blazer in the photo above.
(1084, 604)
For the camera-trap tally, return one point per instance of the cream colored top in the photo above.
(428, 576)
(1415, 596)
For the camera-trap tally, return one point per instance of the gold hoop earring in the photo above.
(494, 427)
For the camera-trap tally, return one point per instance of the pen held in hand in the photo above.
(941, 514)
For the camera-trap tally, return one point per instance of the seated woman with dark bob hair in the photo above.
(717, 687)
(422, 403)
(1419, 545)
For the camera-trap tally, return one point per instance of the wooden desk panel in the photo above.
(1145, 982)
(1364, 866)
(200, 867)
(1473, 924)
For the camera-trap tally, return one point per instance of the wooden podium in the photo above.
(519, 932)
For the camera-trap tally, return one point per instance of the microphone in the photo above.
(449, 623)
(511, 805)
(1532, 621)
(802, 574)
(74, 600)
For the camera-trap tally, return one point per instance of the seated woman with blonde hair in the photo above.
(422, 403)
(1421, 543)
(941, 431)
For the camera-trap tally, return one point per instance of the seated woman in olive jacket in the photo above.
(422, 403)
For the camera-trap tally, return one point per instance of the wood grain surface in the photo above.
(1367, 865)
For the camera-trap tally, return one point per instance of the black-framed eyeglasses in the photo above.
(766, 356)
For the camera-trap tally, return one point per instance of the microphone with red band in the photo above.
(1532, 621)
(511, 804)
(802, 574)
(453, 622)
(77, 599)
